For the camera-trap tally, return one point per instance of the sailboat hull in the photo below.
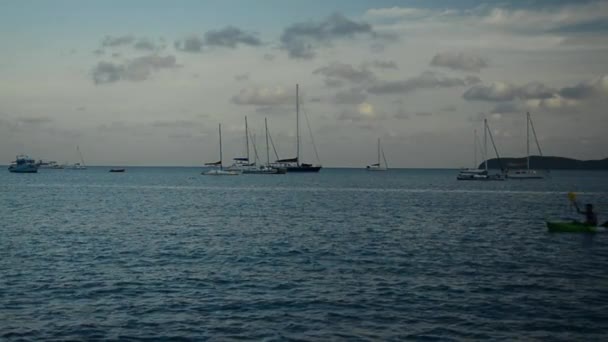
(303, 168)
(525, 174)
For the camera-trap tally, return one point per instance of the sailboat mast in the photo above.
(247, 139)
(297, 125)
(221, 159)
(378, 152)
(267, 146)
(475, 149)
(80, 154)
(485, 143)
(528, 140)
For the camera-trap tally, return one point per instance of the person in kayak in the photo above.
(590, 216)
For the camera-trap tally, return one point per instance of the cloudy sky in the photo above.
(147, 82)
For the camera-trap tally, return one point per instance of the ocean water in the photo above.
(165, 253)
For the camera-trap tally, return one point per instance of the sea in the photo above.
(169, 254)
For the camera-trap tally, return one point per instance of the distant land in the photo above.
(551, 163)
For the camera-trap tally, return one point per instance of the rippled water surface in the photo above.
(344, 254)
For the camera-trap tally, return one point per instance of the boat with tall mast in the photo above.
(78, 166)
(264, 169)
(476, 173)
(242, 164)
(294, 164)
(528, 173)
(378, 166)
(218, 169)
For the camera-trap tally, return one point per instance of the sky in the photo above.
(148, 82)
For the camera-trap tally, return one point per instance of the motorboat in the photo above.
(23, 164)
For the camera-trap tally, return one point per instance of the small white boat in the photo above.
(378, 166)
(49, 165)
(23, 164)
(218, 169)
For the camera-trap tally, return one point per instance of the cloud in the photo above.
(503, 91)
(574, 17)
(34, 120)
(269, 57)
(426, 80)
(110, 41)
(242, 77)
(397, 13)
(449, 108)
(350, 96)
(106, 72)
(302, 39)
(597, 87)
(362, 112)
(138, 69)
(347, 72)
(332, 83)
(230, 36)
(174, 124)
(384, 64)
(401, 114)
(459, 61)
(145, 44)
(273, 110)
(98, 52)
(507, 107)
(424, 113)
(263, 96)
(190, 44)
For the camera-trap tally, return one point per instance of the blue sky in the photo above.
(146, 82)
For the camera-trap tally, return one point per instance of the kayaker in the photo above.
(590, 216)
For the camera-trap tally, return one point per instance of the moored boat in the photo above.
(477, 174)
(294, 164)
(23, 164)
(218, 169)
(528, 172)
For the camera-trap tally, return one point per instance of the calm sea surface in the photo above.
(165, 253)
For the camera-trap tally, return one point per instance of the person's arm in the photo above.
(577, 208)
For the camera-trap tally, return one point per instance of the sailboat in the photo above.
(78, 166)
(378, 166)
(219, 170)
(293, 164)
(242, 164)
(476, 173)
(528, 173)
(264, 169)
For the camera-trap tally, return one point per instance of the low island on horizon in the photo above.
(547, 163)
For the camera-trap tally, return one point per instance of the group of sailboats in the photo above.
(476, 173)
(243, 165)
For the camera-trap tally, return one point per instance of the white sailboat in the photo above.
(242, 164)
(528, 173)
(481, 174)
(78, 166)
(378, 166)
(219, 169)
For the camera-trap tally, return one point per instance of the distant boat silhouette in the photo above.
(117, 170)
